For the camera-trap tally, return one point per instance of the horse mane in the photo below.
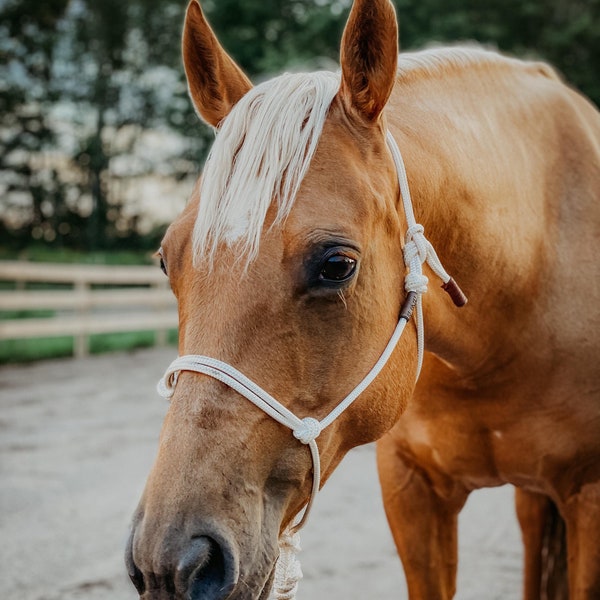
(442, 60)
(264, 147)
(261, 153)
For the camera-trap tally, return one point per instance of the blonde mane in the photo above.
(260, 155)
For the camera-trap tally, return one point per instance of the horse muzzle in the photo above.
(201, 566)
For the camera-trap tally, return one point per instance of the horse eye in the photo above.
(337, 268)
(163, 264)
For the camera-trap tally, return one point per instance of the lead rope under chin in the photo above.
(417, 250)
(288, 571)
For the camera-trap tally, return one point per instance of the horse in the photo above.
(291, 265)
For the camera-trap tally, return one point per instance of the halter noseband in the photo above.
(417, 250)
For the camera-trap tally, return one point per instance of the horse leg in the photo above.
(423, 524)
(531, 513)
(543, 534)
(582, 515)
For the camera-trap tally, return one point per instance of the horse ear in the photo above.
(369, 57)
(215, 82)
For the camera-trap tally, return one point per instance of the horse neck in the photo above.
(479, 191)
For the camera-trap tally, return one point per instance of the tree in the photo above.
(90, 79)
(28, 39)
(267, 36)
(122, 54)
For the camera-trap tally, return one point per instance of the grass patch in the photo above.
(65, 255)
(28, 350)
(12, 351)
(26, 314)
(109, 342)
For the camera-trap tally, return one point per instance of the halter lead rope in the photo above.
(417, 250)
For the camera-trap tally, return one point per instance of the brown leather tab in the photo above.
(408, 306)
(454, 291)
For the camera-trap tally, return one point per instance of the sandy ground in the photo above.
(77, 439)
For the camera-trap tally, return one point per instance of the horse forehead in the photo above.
(348, 178)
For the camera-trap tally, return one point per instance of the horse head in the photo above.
(288, 265)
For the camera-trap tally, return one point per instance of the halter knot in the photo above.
(416, 252)
(416, 242)
(308, 431)
(416, 282)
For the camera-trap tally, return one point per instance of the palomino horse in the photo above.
(290, 267)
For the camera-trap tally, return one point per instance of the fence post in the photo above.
(81, 340)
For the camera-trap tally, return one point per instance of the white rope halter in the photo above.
(417, 250)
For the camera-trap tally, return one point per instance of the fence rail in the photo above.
(136, 298)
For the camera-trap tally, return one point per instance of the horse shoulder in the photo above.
(530, 410)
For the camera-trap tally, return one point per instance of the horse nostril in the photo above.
(205, 570)
(134, 573)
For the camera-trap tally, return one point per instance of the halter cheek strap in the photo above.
(417, 250)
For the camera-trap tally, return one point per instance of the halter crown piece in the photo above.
(417, 250)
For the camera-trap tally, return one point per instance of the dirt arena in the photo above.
(77, 439)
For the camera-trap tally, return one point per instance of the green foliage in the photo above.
(565, 33)
(266, 36)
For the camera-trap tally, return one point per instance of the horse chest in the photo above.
(476, 446)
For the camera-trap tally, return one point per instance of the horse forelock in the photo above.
(260, 155)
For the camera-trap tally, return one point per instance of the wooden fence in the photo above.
(132, 298)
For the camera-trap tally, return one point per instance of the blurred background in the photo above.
(99, 146)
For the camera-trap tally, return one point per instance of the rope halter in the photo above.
(417, 251)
